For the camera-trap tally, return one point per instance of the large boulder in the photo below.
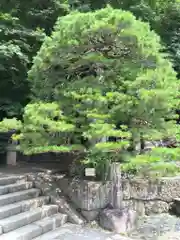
(119, 221)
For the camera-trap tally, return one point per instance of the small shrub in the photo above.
(160, 162)
(166, 154)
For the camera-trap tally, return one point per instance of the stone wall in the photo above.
(144, 196)
(85, 198)
(89, 197)
(151, 197)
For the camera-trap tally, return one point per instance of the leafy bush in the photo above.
(166, 154)
(159, 162)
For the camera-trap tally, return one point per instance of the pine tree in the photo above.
(110, 55)
(105, 73)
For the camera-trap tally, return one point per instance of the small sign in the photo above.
(90, 172)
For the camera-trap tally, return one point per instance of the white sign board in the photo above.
(90, 172)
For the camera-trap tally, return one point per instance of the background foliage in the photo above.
(23, 26)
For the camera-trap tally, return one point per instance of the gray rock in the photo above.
(87, 195)
(169, 188)
(135, 205)
(126, 188)
(163, 189)
(90, 215)
(140, 189)
(154, 226)
(70, 211)
(156, 207)
(119, 221)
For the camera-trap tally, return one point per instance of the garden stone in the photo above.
(119, 221)
(66, 208)
(156, 207)
(135, 205)
(90, 215)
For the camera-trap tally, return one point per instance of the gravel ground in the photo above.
(158, 227)
(76, 232)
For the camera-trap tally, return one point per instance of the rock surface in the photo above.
(118, 220)
(170, 236)
(164, 189)
(157, 227)
(151, 197)
(87, 233)
(90, 215)
(86, 195)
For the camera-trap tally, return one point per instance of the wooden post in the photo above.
(116, 189)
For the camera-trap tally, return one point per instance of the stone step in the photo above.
(15, 187)
(11, 179)
(22, 219)
(51, 223)
(57, 233)
(37, 228)
(19, 196)
(16, 208)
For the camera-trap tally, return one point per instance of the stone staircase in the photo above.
(24, 213)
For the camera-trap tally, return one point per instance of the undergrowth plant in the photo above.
(159, 162)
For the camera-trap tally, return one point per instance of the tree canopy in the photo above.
(24, 26)
(106, 66)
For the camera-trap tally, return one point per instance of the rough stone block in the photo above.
(126, 188)
(169, 189)
(135, 205)
(90, 215)
(119, 221)
(164, 189)
(141, 189)
(156, 207)
(49, 210)
(66, 208)
(87, 195)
